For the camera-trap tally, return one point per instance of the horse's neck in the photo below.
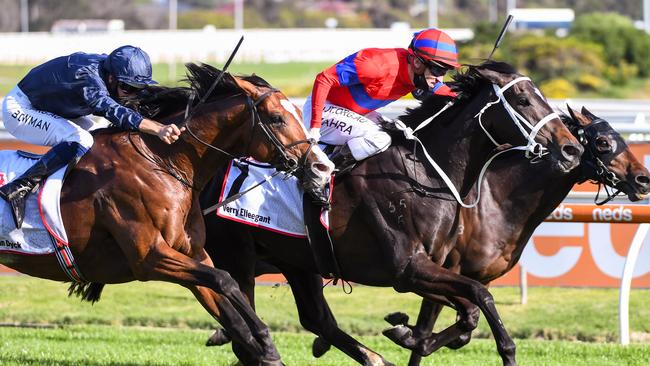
(521, 195)
(197, 161)
(459, 146)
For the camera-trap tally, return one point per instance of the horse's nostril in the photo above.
(570, 151)
(321, 167)
(642, 180)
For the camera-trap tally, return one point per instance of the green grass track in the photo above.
(161, 324)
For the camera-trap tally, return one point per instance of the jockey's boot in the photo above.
(16, 191)
(343, 160)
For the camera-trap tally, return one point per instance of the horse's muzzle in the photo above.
(569, 157)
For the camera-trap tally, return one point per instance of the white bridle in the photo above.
(532, 150)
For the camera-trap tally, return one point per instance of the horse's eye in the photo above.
(277, 120)
(523, 101)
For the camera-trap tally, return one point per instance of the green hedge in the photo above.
(602, 50)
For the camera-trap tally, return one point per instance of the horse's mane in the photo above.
(466, 83)
(156, 101)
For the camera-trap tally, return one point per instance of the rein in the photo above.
(533, 150)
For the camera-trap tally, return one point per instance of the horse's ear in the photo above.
(581, 119)
(589, 114)
(490, 75)
(249, 88)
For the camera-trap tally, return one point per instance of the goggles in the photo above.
(436, 69)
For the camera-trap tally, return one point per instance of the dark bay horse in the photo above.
(392, 216)
(131, 209)
(514, 210)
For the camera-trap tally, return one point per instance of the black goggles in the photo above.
(128, 88)
(436, 69)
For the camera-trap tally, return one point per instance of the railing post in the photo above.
(523, 284)
(626, 283)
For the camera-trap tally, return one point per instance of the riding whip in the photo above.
(188, 112)
(501, 34)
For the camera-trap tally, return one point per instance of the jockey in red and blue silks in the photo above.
(341, 108)
(49, 107)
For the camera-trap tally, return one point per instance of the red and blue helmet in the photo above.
(130, 65)
(435, 45)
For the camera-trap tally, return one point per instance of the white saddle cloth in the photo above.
(275, 205)
(43, 225)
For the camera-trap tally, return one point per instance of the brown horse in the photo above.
(130, 206)
(514, 224)
(392, 216)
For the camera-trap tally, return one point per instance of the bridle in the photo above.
(594, 168)
(534, 150)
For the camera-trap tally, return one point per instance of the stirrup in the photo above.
(17, 199)
(17, 204)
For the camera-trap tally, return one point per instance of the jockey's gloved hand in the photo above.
(420, 94)
(314, 133)
(389, 124)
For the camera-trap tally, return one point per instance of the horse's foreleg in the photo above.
(316, 316)
(424, 277)
(241, 347)
(220, 295)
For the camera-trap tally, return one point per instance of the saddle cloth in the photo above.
(42, 231)
(276, 205)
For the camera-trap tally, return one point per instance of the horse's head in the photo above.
(531, 121)
(280, 122)
(607, 158)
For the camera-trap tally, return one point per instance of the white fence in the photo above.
(210, 44)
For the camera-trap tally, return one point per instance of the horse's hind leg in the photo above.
(316, 316)
(429, 312)
(426, 278)
(427, 317)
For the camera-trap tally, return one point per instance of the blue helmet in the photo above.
(130, 65)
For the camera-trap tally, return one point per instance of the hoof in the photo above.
(218, 338)
(400, 334)
(320, 347)
(397, 318)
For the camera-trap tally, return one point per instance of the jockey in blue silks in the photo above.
(50, 105)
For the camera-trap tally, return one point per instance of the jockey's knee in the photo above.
(83, 138)
(369, 144)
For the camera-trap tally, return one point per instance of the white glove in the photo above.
(314, 132)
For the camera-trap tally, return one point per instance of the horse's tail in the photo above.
(88, 291)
